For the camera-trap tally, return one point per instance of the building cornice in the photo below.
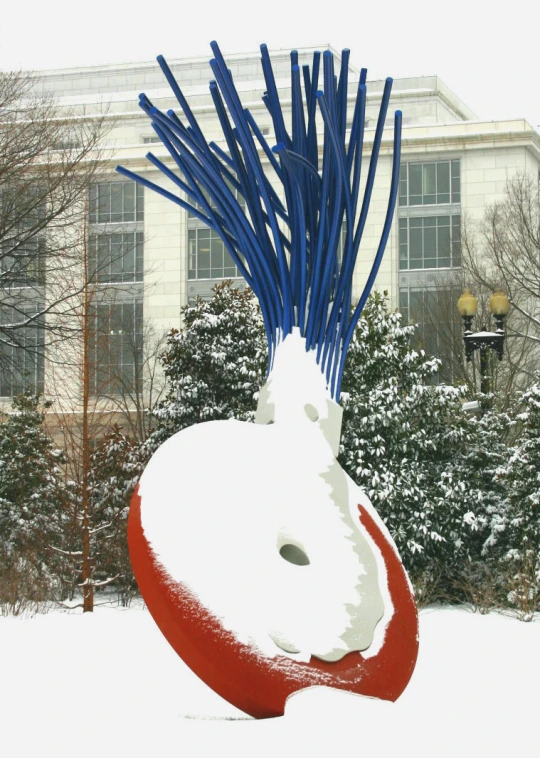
(471, 135)
(415, 139)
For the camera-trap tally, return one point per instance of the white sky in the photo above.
(488, 53)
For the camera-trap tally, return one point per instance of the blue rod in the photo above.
(308, 288)
(373, 163)
(382, 246)
(233, 102)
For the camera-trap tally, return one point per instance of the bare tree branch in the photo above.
(502, 251)
(49, 157)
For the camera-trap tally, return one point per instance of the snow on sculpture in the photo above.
(264, 565)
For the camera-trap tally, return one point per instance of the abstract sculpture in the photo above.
(264, 565)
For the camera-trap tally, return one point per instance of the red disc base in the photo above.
(256, 684)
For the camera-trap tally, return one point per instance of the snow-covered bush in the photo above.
(115, 468)
(409, 444)
(32, 496)
(515, 527)
(215, 365)
(94, 550)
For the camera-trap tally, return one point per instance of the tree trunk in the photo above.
(87, 563)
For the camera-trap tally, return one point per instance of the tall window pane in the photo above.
(443, 241)
(103, 203)
(456, 182)
(129, 206)
(93, 204)
(21, 354)
(139, 202)
(403, 243)
(415, 184)
(429, 183)
(23, 243)
(403, 184)
(443, 182)
(208, 257)
(456, 241)
(429, 309)
(22, 261)
(116, 258)
(116, 202)
(192, 254)
(416, 251)
(116, 348)
(429, 242)
(216, 257)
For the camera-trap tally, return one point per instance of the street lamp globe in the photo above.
(499, 303)
(467, 304)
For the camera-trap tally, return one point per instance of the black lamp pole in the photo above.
(483, 340)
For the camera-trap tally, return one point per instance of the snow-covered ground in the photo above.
(109, 685)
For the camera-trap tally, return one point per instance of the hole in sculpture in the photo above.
(294, 554)
(311, 412)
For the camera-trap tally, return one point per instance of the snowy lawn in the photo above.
(108, 684)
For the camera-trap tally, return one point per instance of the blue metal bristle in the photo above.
(286, 248)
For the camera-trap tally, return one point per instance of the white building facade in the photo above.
(160, 258)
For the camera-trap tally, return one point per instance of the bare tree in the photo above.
(102, 375)
(502, 251)
(79, 421)
(135, 392)
(433, 310)
(440, 333)
(49, 156)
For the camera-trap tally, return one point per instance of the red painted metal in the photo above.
(256, 684)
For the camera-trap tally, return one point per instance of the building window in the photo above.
(420, 307)
(116, 258)
(116, 341)
(21, 354)
(208, 257)
(429, 242)
(435, 183)
(23, 245)
(437, 328)
(116, 202)
(22, 262)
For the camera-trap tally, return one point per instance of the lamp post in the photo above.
(483, 340)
